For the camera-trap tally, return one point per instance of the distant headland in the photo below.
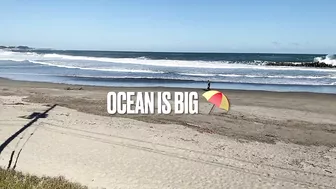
(15, 48)
(21, 48)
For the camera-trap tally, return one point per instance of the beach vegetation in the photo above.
(11, 179)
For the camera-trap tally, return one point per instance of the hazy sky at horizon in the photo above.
(293, 26)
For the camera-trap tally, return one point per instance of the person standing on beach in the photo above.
(208, 85)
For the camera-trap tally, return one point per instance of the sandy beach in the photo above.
(267, 140)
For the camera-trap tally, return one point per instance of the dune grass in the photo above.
(17, 180)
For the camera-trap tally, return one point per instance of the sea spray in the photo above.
(329, 59)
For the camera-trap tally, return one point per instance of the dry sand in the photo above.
(268, 140)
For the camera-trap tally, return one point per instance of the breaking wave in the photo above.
(329, 59)
(142, 67)
(95, 69)
(90, 63)
(260, 76)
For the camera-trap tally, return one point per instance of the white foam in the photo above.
(197, 74)
(19, 56)
(67, 61)
(151, 62)
(96, 69)
(259, 76)
(299, 77)
(295, 68)
(278, 76)
(116, 77)
(231, 75)
(329, 59)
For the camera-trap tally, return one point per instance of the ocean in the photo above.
(248, 71)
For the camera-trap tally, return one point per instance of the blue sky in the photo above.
(293, 26)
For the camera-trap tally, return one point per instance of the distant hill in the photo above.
(21, 47)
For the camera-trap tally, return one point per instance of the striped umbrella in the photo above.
(217, 99)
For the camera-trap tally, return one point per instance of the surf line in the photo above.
(152, 102)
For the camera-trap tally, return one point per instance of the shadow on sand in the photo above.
(36, 116)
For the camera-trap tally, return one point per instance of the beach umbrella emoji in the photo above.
(218, 99)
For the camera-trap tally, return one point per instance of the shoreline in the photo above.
(60, 85)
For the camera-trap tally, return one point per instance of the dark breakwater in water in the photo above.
(301, 64)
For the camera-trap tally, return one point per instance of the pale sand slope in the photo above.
(114, 152)
(299, 118)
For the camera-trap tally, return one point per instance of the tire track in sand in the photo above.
(283, 174)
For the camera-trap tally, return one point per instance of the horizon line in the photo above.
(185, 52)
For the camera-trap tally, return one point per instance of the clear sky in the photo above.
(294, 26)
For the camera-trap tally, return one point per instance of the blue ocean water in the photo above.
(137, 69)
